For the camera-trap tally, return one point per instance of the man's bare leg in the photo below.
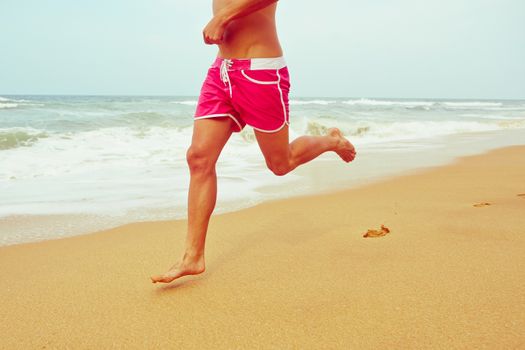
(209, 138)
(282, 157)
(203, 183)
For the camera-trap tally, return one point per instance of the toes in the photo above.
(348, 155)
(351, 158)
(167, 277)
(159, 278)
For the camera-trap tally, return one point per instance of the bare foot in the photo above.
(182, 268)
(344, 148)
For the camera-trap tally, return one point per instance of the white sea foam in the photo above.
(106, 156)
(187, 102)
(371, 102)
(112, 170)
(8, 105)
(27, 152)
(5, 99)
(472, 104)
(312, 102)
(367, 132)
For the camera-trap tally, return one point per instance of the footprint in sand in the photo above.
(482, 204)
(377, 233)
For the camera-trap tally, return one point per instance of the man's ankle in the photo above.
(192, 255)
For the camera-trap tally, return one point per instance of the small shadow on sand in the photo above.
(482, 204)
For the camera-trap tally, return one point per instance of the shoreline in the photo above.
(295, 273)
(308, 179)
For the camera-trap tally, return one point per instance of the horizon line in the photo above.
(300, 97)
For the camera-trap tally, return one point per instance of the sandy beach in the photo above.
(295, 273)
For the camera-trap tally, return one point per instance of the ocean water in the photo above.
(109, 160)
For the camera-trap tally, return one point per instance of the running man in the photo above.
(248, 83)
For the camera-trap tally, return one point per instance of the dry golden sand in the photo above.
(295, 273)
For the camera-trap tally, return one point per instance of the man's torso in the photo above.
(251, 36)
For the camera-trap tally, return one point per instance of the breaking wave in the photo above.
(13, 138)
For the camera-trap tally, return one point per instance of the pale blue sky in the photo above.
(404, 48)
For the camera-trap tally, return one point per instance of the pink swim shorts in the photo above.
(249, 91)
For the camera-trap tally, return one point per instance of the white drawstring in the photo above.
(225, 65)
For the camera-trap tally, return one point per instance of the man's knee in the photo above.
(199, 160)
(279, 168)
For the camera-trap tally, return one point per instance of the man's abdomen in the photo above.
(252, 36)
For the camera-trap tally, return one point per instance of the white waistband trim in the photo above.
(267, 63)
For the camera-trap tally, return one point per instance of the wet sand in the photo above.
(295, 273)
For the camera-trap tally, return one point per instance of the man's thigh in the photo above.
(274, 145)
(211, 134)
